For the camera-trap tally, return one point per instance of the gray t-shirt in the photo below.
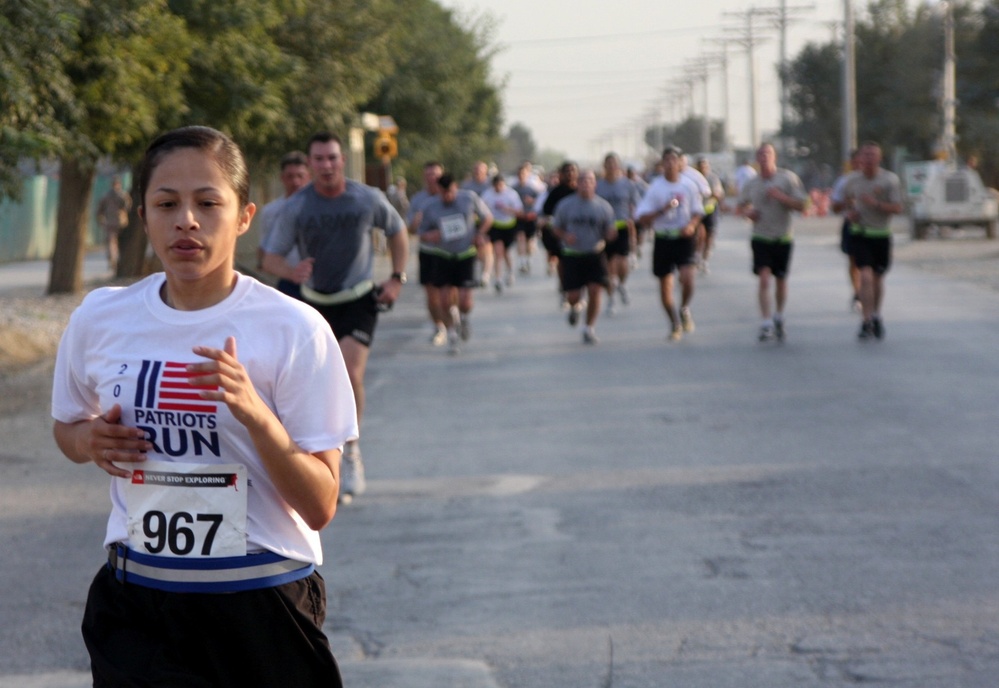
(775, 218)
(528, 195)
(266, 217)
(589, 220)
(884, 186)
(336, 232)
(622, 194)
(477, 187)
(456, 221)
(417, 203)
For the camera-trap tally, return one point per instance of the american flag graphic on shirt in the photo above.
(166, 386)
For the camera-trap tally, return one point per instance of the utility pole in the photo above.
(748, 39)
(782, 19)
(948, 140)
(849, 83)
(698, 70)
(722, 59)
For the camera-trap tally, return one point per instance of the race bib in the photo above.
(453, 227)
(187, 509)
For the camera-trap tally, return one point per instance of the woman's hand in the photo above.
(103, 440)
(227, 381)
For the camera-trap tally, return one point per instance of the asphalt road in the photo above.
(714, 513)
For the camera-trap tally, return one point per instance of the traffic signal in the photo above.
(386, 146)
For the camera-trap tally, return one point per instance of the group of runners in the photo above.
(227, 414)
(593, 227)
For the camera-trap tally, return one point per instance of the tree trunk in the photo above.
(76, 182)
(132, 242)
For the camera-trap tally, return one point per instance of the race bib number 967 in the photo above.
(187, 509)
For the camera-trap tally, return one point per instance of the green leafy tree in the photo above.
(123, 64)
(35, 38)
(818, 123)
(520, 146)
(332, 58)
(439, 89)
(899, 58)
(687, 135)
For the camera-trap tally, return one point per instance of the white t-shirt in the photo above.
(504, 205)
(743, 173)
(661, 192)
(120, 342)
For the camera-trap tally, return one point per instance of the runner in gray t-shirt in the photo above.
(478, 183)
(768, 200)
(453, 227)
(584, 223)
(623, 195)
(332, 221)
(432, 171)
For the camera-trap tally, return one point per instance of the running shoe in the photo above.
(676, 334)
(352, 481)
(766, 333)
(498, 286)
(453, 347)
(877, 328)
(623, 293)
(686, 319)
(589, 336)
(574, 315)
(439, 337)
(866, 330)
(779, 329)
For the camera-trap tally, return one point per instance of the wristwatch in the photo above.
(399, 277)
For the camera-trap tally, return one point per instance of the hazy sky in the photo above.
(585, 77)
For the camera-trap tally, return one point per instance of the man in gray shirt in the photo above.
(452, 228)
(584, 223)
(768, 199)
(332, 221)
(871, 196)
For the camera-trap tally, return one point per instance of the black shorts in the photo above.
(621, 246)
(710, 221)
(581, 269)
(844, 237)
(139, 636)
(454, 272)
(871, 252)
(670, 254)
(355, 319)
(426, 267)
(507, 236)
(775, 255)
(527, 227)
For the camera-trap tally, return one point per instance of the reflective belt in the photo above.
(344, 296)
(866, 231)
(211, 575)
(669, 233)
(786, 239)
